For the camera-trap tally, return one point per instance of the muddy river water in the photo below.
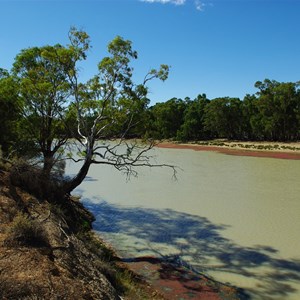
(234, 218)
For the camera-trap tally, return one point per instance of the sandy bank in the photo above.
(256, 149)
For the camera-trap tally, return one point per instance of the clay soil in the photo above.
(238, 149)
(176, 282)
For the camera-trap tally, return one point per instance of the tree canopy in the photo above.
(271, 114)
(9, 111)
(56, 108)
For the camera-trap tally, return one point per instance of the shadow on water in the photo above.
(87, 178)
(196, 242)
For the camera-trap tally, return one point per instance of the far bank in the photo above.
(277, 150)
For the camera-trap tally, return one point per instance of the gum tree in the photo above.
(98, 114)
(44, 87)
(9, 111)
(278, 109)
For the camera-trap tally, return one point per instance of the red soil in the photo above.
(175, 282)
(230, 151)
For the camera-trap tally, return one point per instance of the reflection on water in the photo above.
(235, 218)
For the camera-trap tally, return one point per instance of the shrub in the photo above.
(32, 180)
(25, 231)
(4, 164)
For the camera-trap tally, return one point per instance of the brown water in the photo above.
(235, 218)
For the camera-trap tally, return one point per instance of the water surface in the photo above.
(235, 218)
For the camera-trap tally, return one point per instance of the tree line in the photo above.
(272, 114)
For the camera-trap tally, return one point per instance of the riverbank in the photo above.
(241, 148)
(48, 251)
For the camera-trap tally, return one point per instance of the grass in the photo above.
(126, 282)
(249, 146)
(27, 232)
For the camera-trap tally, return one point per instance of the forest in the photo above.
(272, 114)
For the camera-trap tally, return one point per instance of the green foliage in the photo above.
(278, 108)
(43, 74)
(223, 117)
(55, 106)
(9, 111)
(272, 114)
(46, 80)
(80, 44)
(192, 127)
(167, 118)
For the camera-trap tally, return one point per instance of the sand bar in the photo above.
(258, 149)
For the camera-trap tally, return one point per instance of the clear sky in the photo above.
(217, 47)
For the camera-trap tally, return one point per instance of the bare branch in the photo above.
(134, 155)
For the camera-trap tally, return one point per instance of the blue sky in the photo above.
(217, 47)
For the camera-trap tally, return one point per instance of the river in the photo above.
(234, 218)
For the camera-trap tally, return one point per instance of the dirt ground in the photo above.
(179, 283)
(258, 149)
